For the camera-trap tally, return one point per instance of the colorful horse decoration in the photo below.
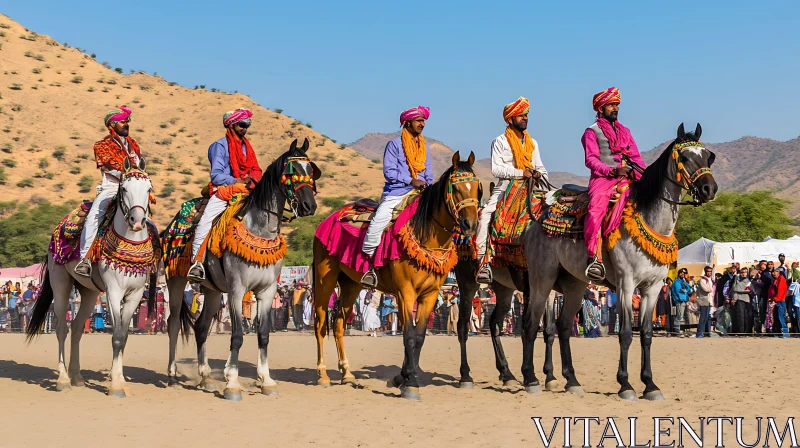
(412, 262)
(245, 253)
(124, 256)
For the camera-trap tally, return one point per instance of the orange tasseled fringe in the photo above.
(435, 261)
(663, 248)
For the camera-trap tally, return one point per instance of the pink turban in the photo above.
(115, 115)
(234, 116)
(415, 112)
(610, 95)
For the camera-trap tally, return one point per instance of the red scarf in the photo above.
(619, 137)
(242, 164)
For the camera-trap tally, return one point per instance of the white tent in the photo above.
(699, 252)
(712, 253)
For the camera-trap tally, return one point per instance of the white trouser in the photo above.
(486, 216)
(382, 218)
(105, 192)
(214, 208)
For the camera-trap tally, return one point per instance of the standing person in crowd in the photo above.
(390, 310)
(297, 307)
(777, 295)
(739, 293)
(783, 267)
(273, 313)
(680, 296)
(13, 311)
(767, 279)
(664, 306)
(369, 309)
(611, 303)
(452, 312)
(794, 317)
(705, 288)
(794, 295)
(308, 309)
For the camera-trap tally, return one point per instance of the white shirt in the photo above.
(503, 160)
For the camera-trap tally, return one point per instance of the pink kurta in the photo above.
(602, 185)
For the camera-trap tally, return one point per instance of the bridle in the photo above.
(293, 182)
(682, 177)
(121, 205)
(454, 207)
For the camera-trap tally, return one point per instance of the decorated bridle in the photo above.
(125, 208)
(294, 181)
(454, 207)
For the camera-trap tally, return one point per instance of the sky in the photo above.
(351, 67)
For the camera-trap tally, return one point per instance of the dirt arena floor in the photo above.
(709, 377)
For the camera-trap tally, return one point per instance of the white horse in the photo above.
(123, 287)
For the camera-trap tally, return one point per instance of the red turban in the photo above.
(415, 112)
(519, 107)
(610, 95)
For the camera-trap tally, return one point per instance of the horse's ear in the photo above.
(456, 159)
(142, 164)
(305, 145)
(471, 158)
(293, 146)
(681, 132)
(698, 131)
(126, 164)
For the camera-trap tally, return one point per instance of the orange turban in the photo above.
(519, 107)
(610, 95)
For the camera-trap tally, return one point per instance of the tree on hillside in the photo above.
(25, 235)
(735, 217)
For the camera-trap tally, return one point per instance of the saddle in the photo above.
(568, 207)
(361, 212)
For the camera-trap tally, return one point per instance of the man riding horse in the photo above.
(109, 154)
(515, 155)
(405, 167)
(607, 144)
(234, 167)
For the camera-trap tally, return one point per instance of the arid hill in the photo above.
(52, 102)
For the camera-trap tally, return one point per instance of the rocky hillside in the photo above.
(52, 102)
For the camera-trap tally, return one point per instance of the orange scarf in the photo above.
(415, 152)
(522, 156)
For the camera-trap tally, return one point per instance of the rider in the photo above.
(233, 165)
(515, 155)
(109, 153)
(405, 166)
(605, 142)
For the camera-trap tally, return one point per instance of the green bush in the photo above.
(85, 184)
(75, 169)
(59, 153)
(11, 163)
(43, 163)
(168, 189)
(77, 79)
(25, 235)
(25, 183)
(118, 70)
(7, 148)
(3, 176)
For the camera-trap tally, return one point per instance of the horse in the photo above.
(450, 203)
(122, 275)
(290, 178)
(629, 264)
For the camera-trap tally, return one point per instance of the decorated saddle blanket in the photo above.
(344, 241)
(176, 239)
(564, 216)
(360, 212)
(516, 209)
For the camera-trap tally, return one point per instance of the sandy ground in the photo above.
(735, 377)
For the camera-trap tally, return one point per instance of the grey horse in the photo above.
(658, 198)
(123, 289)
(262, 214)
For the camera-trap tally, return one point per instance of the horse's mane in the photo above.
(433, 196)
(647, 190)
(267, 187)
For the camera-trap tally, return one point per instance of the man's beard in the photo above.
(240, 133)
(612, 116)
(521, 126)
(123, 132)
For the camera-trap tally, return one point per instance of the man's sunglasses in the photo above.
(243, 125)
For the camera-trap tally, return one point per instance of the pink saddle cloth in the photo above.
(344, 241)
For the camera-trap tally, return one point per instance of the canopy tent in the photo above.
(22, 275)
(720, 255)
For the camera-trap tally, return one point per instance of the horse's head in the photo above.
(693, 164)
(463, 194)
(299, 176)
(134, 195)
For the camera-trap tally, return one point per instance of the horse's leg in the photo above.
(549, 330)
(78, 322)
(649, 299)
(537, 291)
(504, 296)
(233, 390)
(465, 276)
(625, 309)
(61, 282)
(408, 372)
(176, 286)
(326, 272)
(573, 300)
(264, 297)
(121, 312)
(349, 291)
(201, 330)
(410, 388)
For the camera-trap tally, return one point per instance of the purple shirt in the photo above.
(220, 158)
(396, 172)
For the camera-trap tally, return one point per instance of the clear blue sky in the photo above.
(350, 67)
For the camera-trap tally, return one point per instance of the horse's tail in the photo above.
(41, 307)
(186, 322)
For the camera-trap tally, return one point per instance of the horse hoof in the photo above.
(119, 393)
(627, 395)
(270, 391)
(466, 385)
(351, 380)
(234, 395)
(173, 382)
(575, 390)
(534, 389)
(551, 386)
(654, 395)
(410, 393)
(63, 386)
(510, 383)
(208, 385)
(324, 382)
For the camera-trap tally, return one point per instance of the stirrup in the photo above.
(370, 279)
(197, 273)
(596, 272)
(484, 274)
(84, 268)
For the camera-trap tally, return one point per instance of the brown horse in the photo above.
(448, 204)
